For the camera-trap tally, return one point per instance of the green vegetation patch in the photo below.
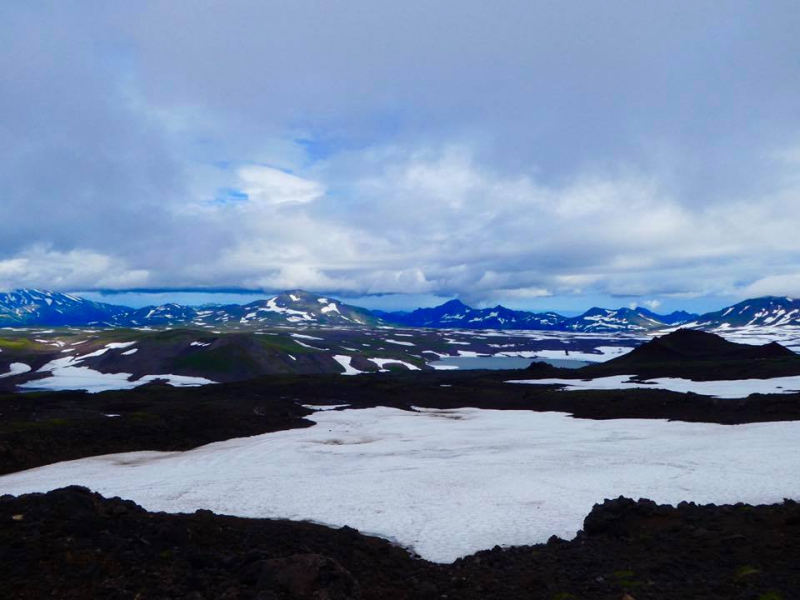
(746, 571)
(22, 425)
(18, 344)
(626, 578)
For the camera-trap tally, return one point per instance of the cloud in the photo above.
(271, 186)
(43, 267)
(774, 285)
(451, 149)
(652, 304)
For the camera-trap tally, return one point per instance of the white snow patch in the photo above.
(384, 361)
(94, 354)
(84, 378)
(299, 343)
(345, 362)
(296, 315)
(330, 308)
(129, 352)
(399, 343)
(307, 337)
(470, 354)
(16, 368)
(65, 374)
(426, 478)
(738, 388)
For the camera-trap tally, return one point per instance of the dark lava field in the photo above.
(72, 543)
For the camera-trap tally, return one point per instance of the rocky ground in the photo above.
(46, 427)
(72, 543)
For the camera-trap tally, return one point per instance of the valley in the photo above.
(301, 333)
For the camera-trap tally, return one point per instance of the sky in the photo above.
(538, 154)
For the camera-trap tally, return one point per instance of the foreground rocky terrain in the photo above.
(72, 543)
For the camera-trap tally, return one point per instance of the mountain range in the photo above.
(26, 308)
(456, 314)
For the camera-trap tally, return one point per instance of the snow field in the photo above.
(448, 483)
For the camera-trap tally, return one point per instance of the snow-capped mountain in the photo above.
(623, 319)
(38, 308)
(289, 308)
(165, 314)
(768, 311)
(298, 307)
(22, 308)
(456, 314)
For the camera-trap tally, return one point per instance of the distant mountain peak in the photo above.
(454, 303)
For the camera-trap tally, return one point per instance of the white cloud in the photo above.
(652, 304)
(43, 267)
(272, 186)
(774, 285)
(436, 221)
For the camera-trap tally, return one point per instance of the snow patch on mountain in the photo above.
(345, 361)
(16, 368)
(382, 362)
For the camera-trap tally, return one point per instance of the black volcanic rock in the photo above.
(699, 356)
(692, 345)
(72, 543)
(543, 370)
